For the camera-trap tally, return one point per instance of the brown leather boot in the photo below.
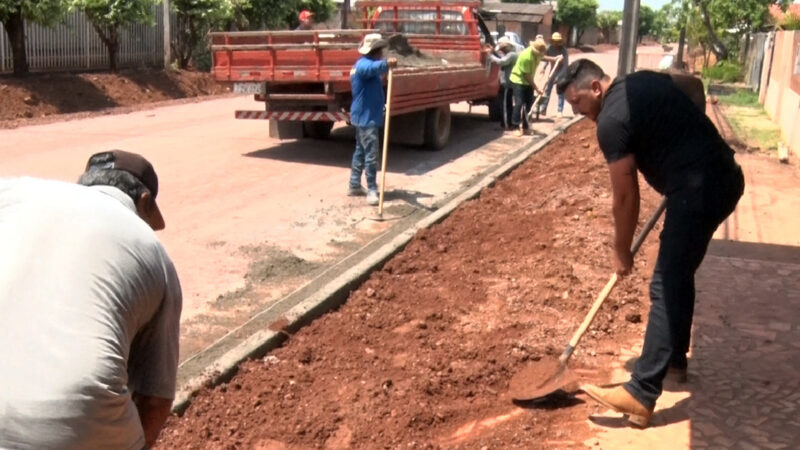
(618, 399)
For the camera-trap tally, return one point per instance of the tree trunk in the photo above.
(182, 47)
(681, 43)
(109, 34)
(113, 49)
(15, 29)
(719, 49)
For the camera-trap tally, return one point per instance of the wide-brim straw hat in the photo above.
(504, 43)
(539, 46)
(372, 42)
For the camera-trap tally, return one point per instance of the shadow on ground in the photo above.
(469, 132)
(66, 93)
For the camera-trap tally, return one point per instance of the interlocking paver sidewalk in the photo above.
(744, 371)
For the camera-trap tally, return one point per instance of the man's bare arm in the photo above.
(153, 412)
(625, 187)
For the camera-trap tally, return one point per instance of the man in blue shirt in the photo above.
(366, 114)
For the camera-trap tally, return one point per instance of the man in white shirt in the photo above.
(90, 307)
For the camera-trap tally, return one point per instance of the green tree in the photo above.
(14, 13)
(665, 24)
(194, 19)
(730, 19)
(697, 33)
(608, 22)
(108, 17)
(580, 14)
(647, 18)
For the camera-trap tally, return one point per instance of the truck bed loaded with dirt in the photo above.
(303, 77)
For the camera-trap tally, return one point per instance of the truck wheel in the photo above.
(437, 127)
(317, 129)
(496, 108)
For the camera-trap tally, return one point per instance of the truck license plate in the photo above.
(248, 88)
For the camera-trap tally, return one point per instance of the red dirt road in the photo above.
(422, 353)
(239, 204)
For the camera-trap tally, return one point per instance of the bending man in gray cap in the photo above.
(90, 307)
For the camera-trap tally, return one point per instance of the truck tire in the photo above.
(317, 129)
(437, 127)
(496, 107)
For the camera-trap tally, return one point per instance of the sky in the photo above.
(618, 5)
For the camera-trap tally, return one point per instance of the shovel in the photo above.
(547, 376)
(535, 107)
(385, 141)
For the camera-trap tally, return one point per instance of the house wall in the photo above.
(527, 31)
(780, 86)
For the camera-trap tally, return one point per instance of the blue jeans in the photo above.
(548, 89)
(365, 157)
(693, 213)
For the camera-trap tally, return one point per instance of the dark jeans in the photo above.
(523, 99)
(365, 157)
(508, 106)
(693, 214)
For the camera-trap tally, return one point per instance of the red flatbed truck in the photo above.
(303, 77)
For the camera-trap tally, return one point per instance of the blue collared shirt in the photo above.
(367, 88)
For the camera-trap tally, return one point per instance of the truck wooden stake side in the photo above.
(303, 77)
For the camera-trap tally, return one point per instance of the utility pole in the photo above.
(629, 38)
(167, 47)
(345, 13)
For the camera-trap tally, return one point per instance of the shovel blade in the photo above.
(540, 379)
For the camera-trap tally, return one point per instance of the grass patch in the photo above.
(749, 121)
(742, 97)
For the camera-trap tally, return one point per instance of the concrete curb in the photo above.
(336, 292)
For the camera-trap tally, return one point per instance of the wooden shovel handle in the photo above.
(385, 140)
(609, 286)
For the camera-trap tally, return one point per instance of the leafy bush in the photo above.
(201, 57)
(724, 71)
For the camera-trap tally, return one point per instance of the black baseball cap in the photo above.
(133, 163)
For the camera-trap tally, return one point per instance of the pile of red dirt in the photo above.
(28, 100)
(422, 353)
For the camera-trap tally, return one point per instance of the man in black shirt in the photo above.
(645, 122)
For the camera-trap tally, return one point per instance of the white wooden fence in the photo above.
(74, 45)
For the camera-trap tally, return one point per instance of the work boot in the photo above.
(620, 400)
(357, 191)
(372, 197)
